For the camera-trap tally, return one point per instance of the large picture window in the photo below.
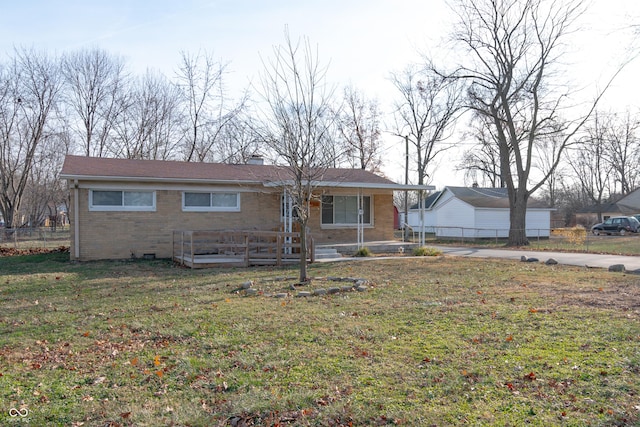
(343, 210)
(119, 200)
(210, 202)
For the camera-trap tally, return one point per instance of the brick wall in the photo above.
(123, 234)
(382, 224)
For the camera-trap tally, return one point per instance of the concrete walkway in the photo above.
(631, 263)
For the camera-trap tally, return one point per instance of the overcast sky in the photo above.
(362, 40)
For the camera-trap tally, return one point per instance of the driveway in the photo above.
(631, 263)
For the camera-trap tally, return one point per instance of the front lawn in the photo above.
(431, 341)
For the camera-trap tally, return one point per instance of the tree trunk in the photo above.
(517, 218)
(303, 252)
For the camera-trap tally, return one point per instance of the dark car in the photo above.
(617, 224)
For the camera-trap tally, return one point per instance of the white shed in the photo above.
(476, 213)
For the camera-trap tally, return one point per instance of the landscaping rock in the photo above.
(346, 288)
(251, 291)
(246, 285)
(320, 292)
(551, 261)
(523, 258)
(333, 290)
(282, 295)
(617, 267)
(304, 294)
(361, 288)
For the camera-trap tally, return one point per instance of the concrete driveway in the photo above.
(631, 263)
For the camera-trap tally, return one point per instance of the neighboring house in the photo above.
(122, 208)
(628, 205)
(476, 213)
(426, 213)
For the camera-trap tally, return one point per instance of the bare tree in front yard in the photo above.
(510, 58)
(297, 124)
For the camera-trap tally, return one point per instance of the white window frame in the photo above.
(369, 224)
(122, 207)
(211, 208)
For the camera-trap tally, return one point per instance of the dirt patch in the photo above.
(625, 297)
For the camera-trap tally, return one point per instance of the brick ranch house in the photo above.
(123, 208)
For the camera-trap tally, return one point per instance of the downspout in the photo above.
(76, 222)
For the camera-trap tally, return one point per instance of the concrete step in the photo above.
(327, 253)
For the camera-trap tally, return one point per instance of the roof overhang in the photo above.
(269, 184)
(152, 179)
(363, 185)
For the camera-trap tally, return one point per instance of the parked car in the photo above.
(617, 224)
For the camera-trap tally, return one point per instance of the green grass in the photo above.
(433, 341)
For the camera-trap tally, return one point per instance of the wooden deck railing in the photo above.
(208, 248)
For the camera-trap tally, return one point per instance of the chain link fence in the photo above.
(33, 238)
(576, 239)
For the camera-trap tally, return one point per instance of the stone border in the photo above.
(618, 268)
(356, 284)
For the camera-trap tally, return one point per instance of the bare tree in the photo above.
(150, 125)
(427, 109)
(201, 81)
(95, 83)
(590, 163)
(29, 89)
(358, 123)
(296, 128)
(510, 58)
(481, 163)
(547, 152)
(240, 141)
(45, 193)
(623, 149)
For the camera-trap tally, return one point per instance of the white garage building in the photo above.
(475, 213)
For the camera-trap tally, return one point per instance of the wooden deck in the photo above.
(209, 248)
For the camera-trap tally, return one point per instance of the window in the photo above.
(343, 210)
(210, 202)
(118, 200)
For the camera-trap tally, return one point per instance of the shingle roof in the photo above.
(480, 198)
(152, 170)
(428, 201)
(490, 197)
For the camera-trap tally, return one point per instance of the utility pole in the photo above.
(406, 193)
